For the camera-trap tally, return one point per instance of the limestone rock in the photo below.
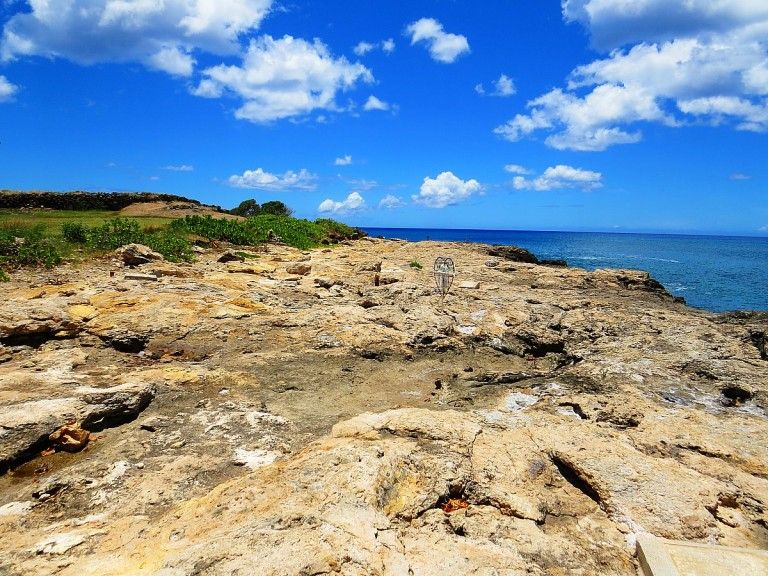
(513, 254)
(137, 254)
(299, 268)
(24, 423)
(230, 256)
(537, 425)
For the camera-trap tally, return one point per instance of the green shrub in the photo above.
(231, 231)
(415, 264)
(300, 234)
(335, 229)
(75, 232)
(38, 252)
(115, 233)
(173, 247)
(27, 246)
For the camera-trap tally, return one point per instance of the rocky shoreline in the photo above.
(325, 412)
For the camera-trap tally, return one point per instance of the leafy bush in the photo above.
(27, 246)
(298, 233)
(415, 264)
(173, 247)
(38, 252)
(301, 234)
(335, 229)
(115, 233)
(75, 232)
(215, 229)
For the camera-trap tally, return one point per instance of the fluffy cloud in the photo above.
(615, 23)
(179, 168)
(159, 34)
(558, 177)
(261, 180)
(698, 60)
(445, 190)
(7, 90)
(391, 201)
(173, 61)
(343, 160)
(351, 203)
(283, 78)
(362, 48)
(516, 169)
(374, 103)
(443, 46)
(502, 87)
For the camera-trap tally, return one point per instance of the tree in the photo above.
(247, 208)
(276, 208)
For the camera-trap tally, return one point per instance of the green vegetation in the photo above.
(250, 208)
(48, 237)
(24, 245)
(415, 264)
(54, 220)
(295, 232)
(110, 201)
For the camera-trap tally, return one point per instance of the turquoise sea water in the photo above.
(717, 273)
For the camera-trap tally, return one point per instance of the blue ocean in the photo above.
(717, 273)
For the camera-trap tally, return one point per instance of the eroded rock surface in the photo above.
(325, 412)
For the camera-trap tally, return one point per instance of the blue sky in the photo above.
(605, 115)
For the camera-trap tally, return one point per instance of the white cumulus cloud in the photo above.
(516, 169)
(560, 177)
(7, 90)
(391, 201)
(445, 190)
(283, 78)
(259, 179)
(504, 86)
(343, 160)
(351, 203)
(374, 103)
(443, 46)
(615, 23)
(363, 48)
(692, 61)
(173, 61)
(179, 168)
(160, 34)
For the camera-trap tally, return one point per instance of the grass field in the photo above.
(52, 220)
(49, 237)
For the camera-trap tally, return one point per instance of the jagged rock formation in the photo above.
(287, 415)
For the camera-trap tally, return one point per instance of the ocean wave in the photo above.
(643, 257)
